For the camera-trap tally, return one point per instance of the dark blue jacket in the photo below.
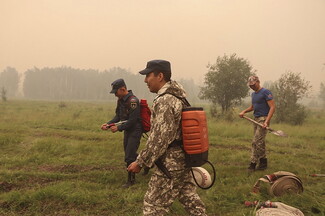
(128, 108)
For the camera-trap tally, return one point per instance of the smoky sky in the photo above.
(275, 36)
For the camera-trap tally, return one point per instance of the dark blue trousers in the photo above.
(131, 144)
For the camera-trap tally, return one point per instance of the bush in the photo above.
(295, 115)
(62, 105)
(4, 94)
(287, 92)
(228, 115)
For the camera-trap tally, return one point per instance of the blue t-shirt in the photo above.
(259, 101)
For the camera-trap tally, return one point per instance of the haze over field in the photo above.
(275, 36)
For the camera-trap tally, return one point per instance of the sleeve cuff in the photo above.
(140, 164)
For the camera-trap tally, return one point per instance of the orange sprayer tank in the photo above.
(195, 136)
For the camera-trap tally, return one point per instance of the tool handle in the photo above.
(249, 119)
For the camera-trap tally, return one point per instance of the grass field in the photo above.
(55, 160)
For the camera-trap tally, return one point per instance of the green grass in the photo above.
(55, 160)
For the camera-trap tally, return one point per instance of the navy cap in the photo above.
(156, 65)
(116, 85)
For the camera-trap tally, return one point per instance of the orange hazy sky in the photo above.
(275, 36)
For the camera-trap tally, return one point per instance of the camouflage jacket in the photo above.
(165, 128)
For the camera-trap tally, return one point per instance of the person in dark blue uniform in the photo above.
(128, 111)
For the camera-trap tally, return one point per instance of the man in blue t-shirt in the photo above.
(263, 106)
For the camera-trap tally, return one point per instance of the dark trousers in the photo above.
(131, 144)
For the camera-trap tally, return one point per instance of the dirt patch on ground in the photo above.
(6, 186)
(28, 182)
(70, 168)
(66, 135)
(231, 147)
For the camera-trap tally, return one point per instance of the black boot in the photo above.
(132, 178)
(130, 181)
(251, 167)
(263, 164)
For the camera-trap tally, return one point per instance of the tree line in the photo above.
(66, 83)
(224, 86)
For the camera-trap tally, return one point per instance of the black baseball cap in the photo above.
(116, 85)
(156, 65)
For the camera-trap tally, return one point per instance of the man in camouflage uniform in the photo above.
(263, 106)
(128, 109)
(164, 144)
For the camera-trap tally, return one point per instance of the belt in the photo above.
(176, 143)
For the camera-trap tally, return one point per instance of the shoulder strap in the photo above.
(184, 100)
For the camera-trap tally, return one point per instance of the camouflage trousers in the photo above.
(258, 143)
(163, 191)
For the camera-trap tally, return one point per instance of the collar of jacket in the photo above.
(125, 98)
(164, 88)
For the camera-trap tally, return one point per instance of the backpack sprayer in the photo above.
(195, 140)
(195, 136)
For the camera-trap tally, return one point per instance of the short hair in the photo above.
(167, 74)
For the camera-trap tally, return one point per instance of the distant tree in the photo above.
(9, 79)
(322, 92)
(287, 91)
(225, 82)
(4, 94)
(268, 84)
